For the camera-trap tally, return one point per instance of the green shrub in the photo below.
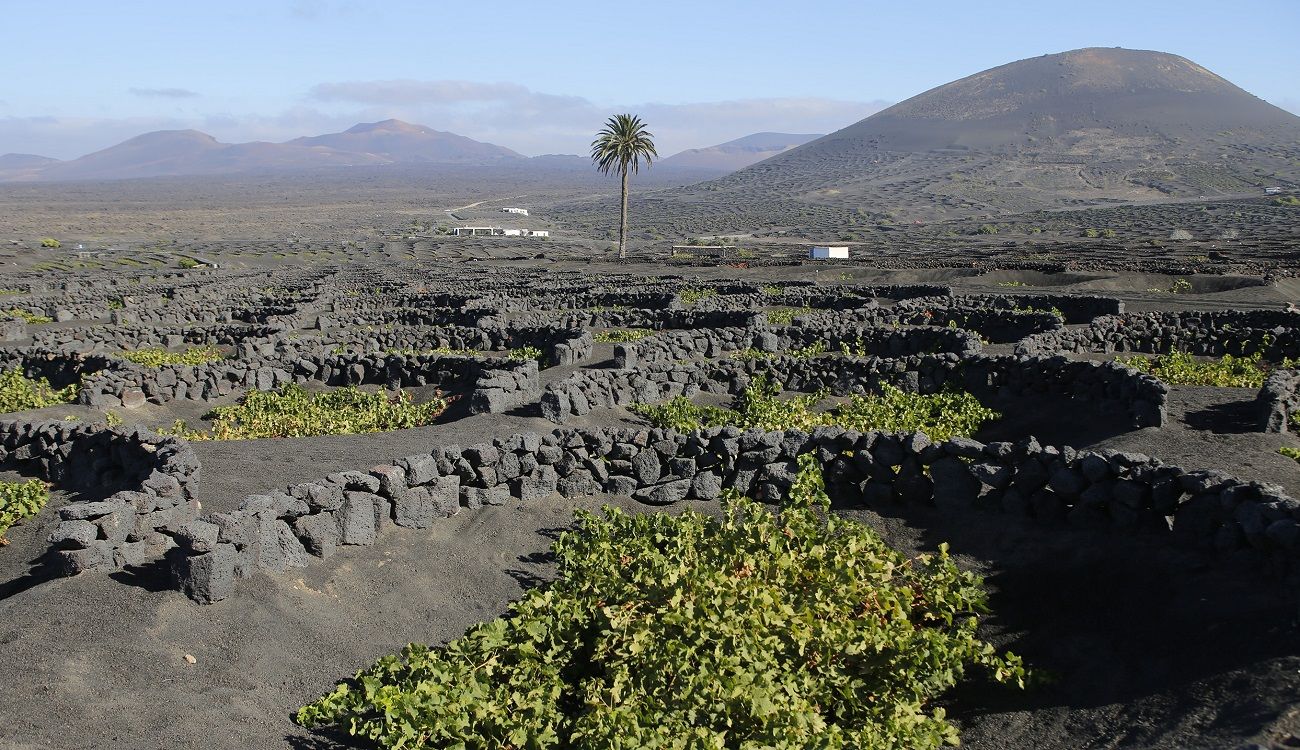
(27, 316)
(294, 411)
(158, 357)
(1291, 453)
(50, 242)
(784, 316)
(187, 263)
(621, 335)
(939, 415)
(759, 629)
(815, 349)
(1011, 283)
(409, 352)
(1287, 200)
(19, 500)
(524, 353)
(988, 229)
(690, 297)
(1091, 233)
(1181, 368)
(18, 393)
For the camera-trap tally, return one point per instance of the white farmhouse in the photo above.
(520, 211)
(539, 233)
(825, 252)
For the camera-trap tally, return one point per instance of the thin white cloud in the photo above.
(164, 93)
(536, 122)
(70, 137)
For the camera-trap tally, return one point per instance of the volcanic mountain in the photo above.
(190, 152)
(402, 142)
(1075, 128)
(737, 154)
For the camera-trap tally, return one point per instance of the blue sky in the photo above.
(540, 76)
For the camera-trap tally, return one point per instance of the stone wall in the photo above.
(1074, 308)
(1125, 492)
(1279, 401)
(1141, 396)
(147, 482)
(860, 340)
(1240, 333)
(127, 385)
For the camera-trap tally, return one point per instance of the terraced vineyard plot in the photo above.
(322, 479)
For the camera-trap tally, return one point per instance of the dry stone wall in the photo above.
(147, 483)
(1123, 492)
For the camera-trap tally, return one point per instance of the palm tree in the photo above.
(619, 147)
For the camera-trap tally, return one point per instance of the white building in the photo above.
(498, 232)
(824, 252)
(520, 211)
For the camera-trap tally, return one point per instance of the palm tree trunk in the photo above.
(622, 226)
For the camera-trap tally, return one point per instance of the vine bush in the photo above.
(940, 415)
(759, 629)
(690, 297)
(1181, 368)
(524, 353)
(19, 393)
(19, 500)
(784, 316)
(157, 356)
(621, 335)
(294, 411)
(28, 316)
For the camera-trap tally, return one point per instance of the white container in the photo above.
(822, 252)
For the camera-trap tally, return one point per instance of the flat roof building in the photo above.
(827, 252)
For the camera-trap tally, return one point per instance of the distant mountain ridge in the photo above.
(171, 153)
(738, 153)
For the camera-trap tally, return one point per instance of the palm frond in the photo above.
(622, 145)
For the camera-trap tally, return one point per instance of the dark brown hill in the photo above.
(1085, 127)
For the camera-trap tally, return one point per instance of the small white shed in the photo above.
(824, 252)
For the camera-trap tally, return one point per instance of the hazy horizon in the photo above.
(540, 80)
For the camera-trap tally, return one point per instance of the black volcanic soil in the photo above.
(1150, 647)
